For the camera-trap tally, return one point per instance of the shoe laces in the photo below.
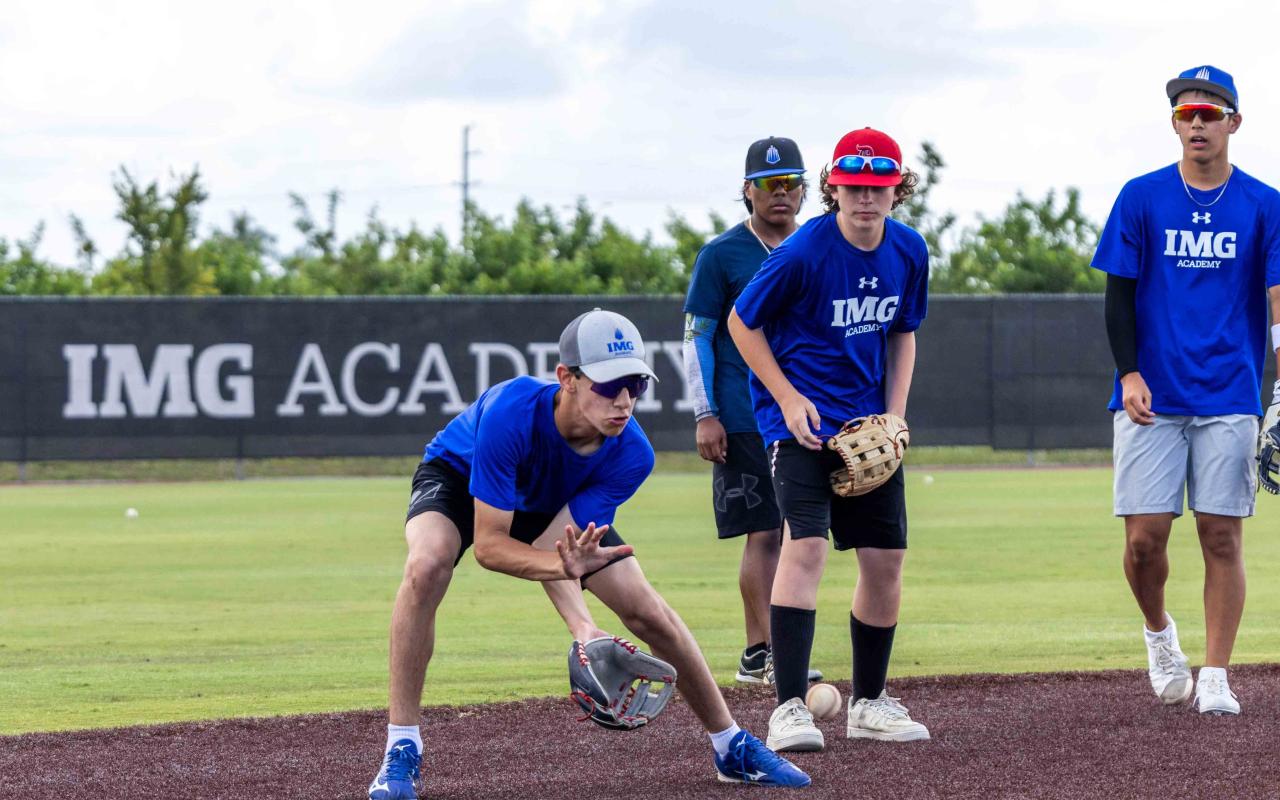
(402, 765)
(751, 752)
(890, 707)
(1214, 684)
(796, 715)
(1167, 659)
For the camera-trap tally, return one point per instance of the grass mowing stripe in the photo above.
(272, 597)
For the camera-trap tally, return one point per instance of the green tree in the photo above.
(24, 272)
(917, 213)
(239, 258)
(159, 257)
(1032, 247)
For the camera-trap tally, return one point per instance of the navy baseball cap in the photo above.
(1206, 79)
(773, 156)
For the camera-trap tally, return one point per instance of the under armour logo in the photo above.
(746, 492)
(1196, 216)
(865, 282)
(1203, 74)
(772, 156)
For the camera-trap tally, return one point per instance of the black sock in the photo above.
(871, 649)
(755, 648)
(791, 630)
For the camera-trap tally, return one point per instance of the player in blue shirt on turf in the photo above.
(1191, 252)
(827, 327)
(773, 190)
(533, 472)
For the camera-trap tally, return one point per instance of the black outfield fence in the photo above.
(91, 378)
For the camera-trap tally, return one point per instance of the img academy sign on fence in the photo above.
(130, 378)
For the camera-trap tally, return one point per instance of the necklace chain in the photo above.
(767, 248)
(1230, 171)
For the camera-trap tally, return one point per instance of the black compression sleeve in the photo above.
(1122, 322)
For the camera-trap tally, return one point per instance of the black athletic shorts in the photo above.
(742, 489)
(437, 486)
(801, 478)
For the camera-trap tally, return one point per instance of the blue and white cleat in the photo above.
(749, 761)
(399, 773)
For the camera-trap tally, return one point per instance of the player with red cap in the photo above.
(827, 327)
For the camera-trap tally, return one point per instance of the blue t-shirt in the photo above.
(827, 309)
(516, 459)
(1203, 270)
(724, 267)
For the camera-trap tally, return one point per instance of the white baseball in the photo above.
(928, 479)
(130, 513)
(823, 700)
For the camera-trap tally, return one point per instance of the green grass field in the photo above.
(270, 597)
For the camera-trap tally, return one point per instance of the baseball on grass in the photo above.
(823, 700)
(928, 479)
(130, 513)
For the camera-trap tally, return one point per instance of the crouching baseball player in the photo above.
(533, 473)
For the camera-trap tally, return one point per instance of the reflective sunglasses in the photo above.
(771, 183)
(636, 385)
(1208, 112)
(879, 165)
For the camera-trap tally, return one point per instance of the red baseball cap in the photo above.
(870, 143)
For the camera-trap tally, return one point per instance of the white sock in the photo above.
(720, 741)
(397, 732)
(1168, 631)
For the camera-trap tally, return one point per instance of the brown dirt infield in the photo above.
(1064, 735)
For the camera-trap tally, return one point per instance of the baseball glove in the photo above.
(872, 449)
(1269, 459)
(612, 681)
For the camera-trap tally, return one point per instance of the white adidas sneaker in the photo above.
(1167, 665)
(885, 719)
(791, 729)
(1213, 695)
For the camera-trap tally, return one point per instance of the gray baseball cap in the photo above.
(605, 346)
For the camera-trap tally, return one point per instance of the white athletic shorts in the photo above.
(1212, 456)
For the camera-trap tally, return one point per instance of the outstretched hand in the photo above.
(581, 553)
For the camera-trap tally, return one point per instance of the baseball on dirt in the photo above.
(823, 700)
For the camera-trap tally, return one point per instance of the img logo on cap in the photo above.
(622, 345)
(772, 156)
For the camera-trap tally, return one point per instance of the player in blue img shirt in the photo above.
(827, 327)
(773, 190)
(1191, 252)
(533, 473)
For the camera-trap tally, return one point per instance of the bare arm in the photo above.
(801, 415)
(577, 553)
(1274, 293)
(901, 366)
(567, 596)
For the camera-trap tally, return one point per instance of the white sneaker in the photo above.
(791, 729)
(1167, 665)
(883, 718)
(1213, 695)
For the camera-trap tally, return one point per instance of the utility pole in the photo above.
(467, 152)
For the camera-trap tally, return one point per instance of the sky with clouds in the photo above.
(640, 106)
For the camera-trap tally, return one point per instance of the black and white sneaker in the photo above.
(751, 666)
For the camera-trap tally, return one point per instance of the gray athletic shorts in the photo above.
(1213, 457)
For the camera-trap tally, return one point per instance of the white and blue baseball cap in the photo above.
(605, 346)
(1206, 79)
